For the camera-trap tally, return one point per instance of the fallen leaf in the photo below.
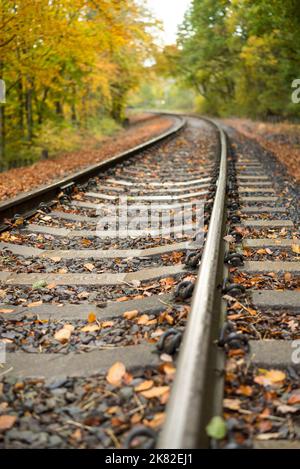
(143, 319)
(5, 310)
(166, 358)
(90, 328)
(64, 270)
(39, 284)
(107, 324)
(168, 368)
(34, 304)
(229, 239)
(157, 391)
(92, 317)
(244, 390)
(116, 373)
(294, 397)
(157, 420)
(232, 404)
(83, 295)
(267, 436)
(216, 428)
(287, 276)
(270, 377)
(144, 386)
(55, 259)
(296, 248)
(64, 334)
(284, 408)
(77, 435)
(122, 298)
(131, 314)
(7, 421)
(89, 267)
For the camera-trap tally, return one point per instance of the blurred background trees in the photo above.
(238, 57)
(67, 65)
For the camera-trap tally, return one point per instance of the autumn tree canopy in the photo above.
(68, 60)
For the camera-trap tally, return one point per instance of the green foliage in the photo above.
(216, 428)
(56, 138)
(241, 56)
(65, 63)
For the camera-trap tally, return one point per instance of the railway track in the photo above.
(100, 330)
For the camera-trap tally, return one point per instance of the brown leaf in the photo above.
(144, 386)
(270, 377)
(107, 324)
(7, 421)
(90, 267)
(116, 373)
(244, 390)
(64, 270)
(287, 276)
(168, 368)
(64, 334)
(91, 328)
(131, 314)
(155, 392)
(55, 259)
(143, 319)
(232, 404)
(157, 420)
(34, 304)
(296, 248)
(83, 295)
(294, 397)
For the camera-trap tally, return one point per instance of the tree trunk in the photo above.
(28, 107)
(73, 107)
(2, 134)
(21, 108)
(58, 109)
(2, 124)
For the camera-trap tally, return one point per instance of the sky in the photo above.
(171, 12)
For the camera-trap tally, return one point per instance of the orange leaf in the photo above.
(7, 421)
(155, 392)
(92, 317)
(131, 314)
(144, 386)
(116, 373)
(90, 328)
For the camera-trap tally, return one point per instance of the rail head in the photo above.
(188, 410)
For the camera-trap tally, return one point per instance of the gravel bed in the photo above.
(269, 281)
(269, 254)
(23, 295)
(82, 412)
(12, 263)
(260, 404)
(49, 242)
(281, 181)
(32, 335)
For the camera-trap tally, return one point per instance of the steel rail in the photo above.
(29, 201)
(191, 403)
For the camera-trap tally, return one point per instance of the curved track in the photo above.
(102, 320)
